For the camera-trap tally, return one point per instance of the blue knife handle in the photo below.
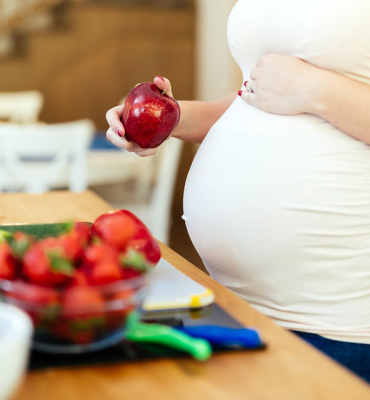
(223, 336)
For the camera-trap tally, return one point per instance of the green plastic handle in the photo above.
(137, 331)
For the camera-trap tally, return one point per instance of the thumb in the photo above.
(163, 84)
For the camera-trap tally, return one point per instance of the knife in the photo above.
(223, 336)
(137, 331)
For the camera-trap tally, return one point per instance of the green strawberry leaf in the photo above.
(5, 236)
(59, 264)
(135, 260)
(83, 324)
(19, 247)
(51, 312)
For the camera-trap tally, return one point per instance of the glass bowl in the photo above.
(61, 327)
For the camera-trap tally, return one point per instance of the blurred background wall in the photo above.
(85, 55)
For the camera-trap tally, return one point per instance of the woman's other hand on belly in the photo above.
(280, 84)
(287, 85)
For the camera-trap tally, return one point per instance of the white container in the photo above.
(15, 341)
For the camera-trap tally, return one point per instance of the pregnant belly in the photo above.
(271, 200)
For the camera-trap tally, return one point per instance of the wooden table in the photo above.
(287, 369)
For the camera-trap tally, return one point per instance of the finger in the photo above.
(147, 152)
(252, 85)
(121, 142)
(113, 117)
(248, 85)
(249, 98)
(253, 73)
(163, 84)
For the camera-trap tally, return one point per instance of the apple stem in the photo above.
(164, 91)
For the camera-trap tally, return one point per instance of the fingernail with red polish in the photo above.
(160, 77)
(119, 133)
(245, 83)
(240, 93)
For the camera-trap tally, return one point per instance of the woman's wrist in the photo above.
(314, 99)
(342, 101)
(326, 93)
(184, 129)
(197, 118)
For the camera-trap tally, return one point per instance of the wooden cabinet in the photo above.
(98, 51)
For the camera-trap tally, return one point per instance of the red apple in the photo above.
(149, 115)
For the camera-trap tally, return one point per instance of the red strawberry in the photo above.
(129, 273)
(44, 264)
(104, 273)
(124, 303)
(70, 245)
(79, 279)
(99, 252)
(35, 295)
(143, 242)
(7, 262)
(83, 310)
(75, 240)
(82, 231)
(115, 228)
(40, 302)
(101, 264)
(81, 302)
(20, 243)
(123, 230)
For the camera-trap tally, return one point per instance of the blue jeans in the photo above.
(354, 356)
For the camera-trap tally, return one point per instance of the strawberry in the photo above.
(97, 253)
(40, 302)
(142, 251)
(83, 312)
(115, 228)
(129, 273)
(101, 264)
(7, 262)
(70, 247)
(75, 240)
(20, 243)
(104, 273)
(36, 295)
(82, 302)
(124, 231)
(82, 231)
(123, 304)
(144, 243)
(79, 279)
(44, 264)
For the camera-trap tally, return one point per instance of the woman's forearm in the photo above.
(343, 102)
(197, 117)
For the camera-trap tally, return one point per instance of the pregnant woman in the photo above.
(277, 201)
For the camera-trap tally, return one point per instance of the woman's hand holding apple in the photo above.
(116, 131)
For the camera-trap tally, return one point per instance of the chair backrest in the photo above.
(148, 187)
(33, 156)
(165, 173)
(21, 107)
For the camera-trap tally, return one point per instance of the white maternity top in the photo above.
(278, 207)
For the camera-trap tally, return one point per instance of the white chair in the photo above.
(21, 107)
(34, 158)
(151, 191)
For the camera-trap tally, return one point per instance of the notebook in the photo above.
(171, 289)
